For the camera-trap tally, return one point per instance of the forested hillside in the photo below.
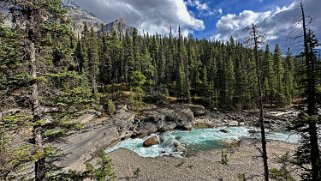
(214, 73)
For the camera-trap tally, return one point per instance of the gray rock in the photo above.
(175, 117)
(178, 146)
(223, 131)
(253, 131)
(197, 110)
(233, 123)
(153, 122)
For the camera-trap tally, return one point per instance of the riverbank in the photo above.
(205, 165)
(81, 147)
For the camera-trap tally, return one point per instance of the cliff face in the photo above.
(119, 26)
(78, 18)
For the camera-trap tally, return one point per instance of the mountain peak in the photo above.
(119, 26)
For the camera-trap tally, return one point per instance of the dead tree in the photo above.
(256, 39)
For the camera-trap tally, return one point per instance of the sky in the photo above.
(213, 19)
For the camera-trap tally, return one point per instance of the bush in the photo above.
(282, 174)
(137, 172)
(111, 107)
(136, 102)
(241, 177)
(104, 172)
(224, 159)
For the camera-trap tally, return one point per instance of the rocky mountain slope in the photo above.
(79, 17)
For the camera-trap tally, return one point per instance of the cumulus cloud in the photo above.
(203, 8)
(148, 15)
(277, 25)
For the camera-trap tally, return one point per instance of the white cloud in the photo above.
(276, 24)
(197, 4)
(203, 8)
(153, 16)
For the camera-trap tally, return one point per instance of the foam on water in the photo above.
(197, 139)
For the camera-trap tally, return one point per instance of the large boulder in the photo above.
(148, 124)
(197, 110)
(177, 117)
(178, 147)
(163, 119)
(123, 121)
(153, 140)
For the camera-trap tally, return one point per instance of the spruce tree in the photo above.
(230, 83)
(270, 81)
(308, 152)
(289, 82)
(93, 60)
(51, 82)
(279, 73)
(129, 61)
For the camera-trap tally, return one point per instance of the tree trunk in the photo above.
(40, 163)
(312, 109)
(261, 120)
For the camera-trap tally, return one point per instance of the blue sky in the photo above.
(211, 19)
(231, 7)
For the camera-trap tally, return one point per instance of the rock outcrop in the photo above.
(83, 146)
(119, 26)
(164, 119)
(203, 123)
(79, 17)
(197, 110)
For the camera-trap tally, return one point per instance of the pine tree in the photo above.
(270, 75)
(115, 54)
(104, 61)
(148, 68)
(93, 60)
(180, 72)
(289, 81)
(279, 72)
(230, 83)
(136, 51)
(308, 151)
(51, 80)
(129, 61)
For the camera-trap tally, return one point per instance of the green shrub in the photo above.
(111, 107)
(282, 174)
(224, 159)
(137, 172)
(241, 177)
(105, 170)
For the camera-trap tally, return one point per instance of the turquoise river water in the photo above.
(197, 139)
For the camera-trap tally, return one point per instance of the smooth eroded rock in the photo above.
(233, 123)
(154, 140)
(197, 110)
(203, 123)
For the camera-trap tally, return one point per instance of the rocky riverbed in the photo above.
(244, 159)
(81, 147)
